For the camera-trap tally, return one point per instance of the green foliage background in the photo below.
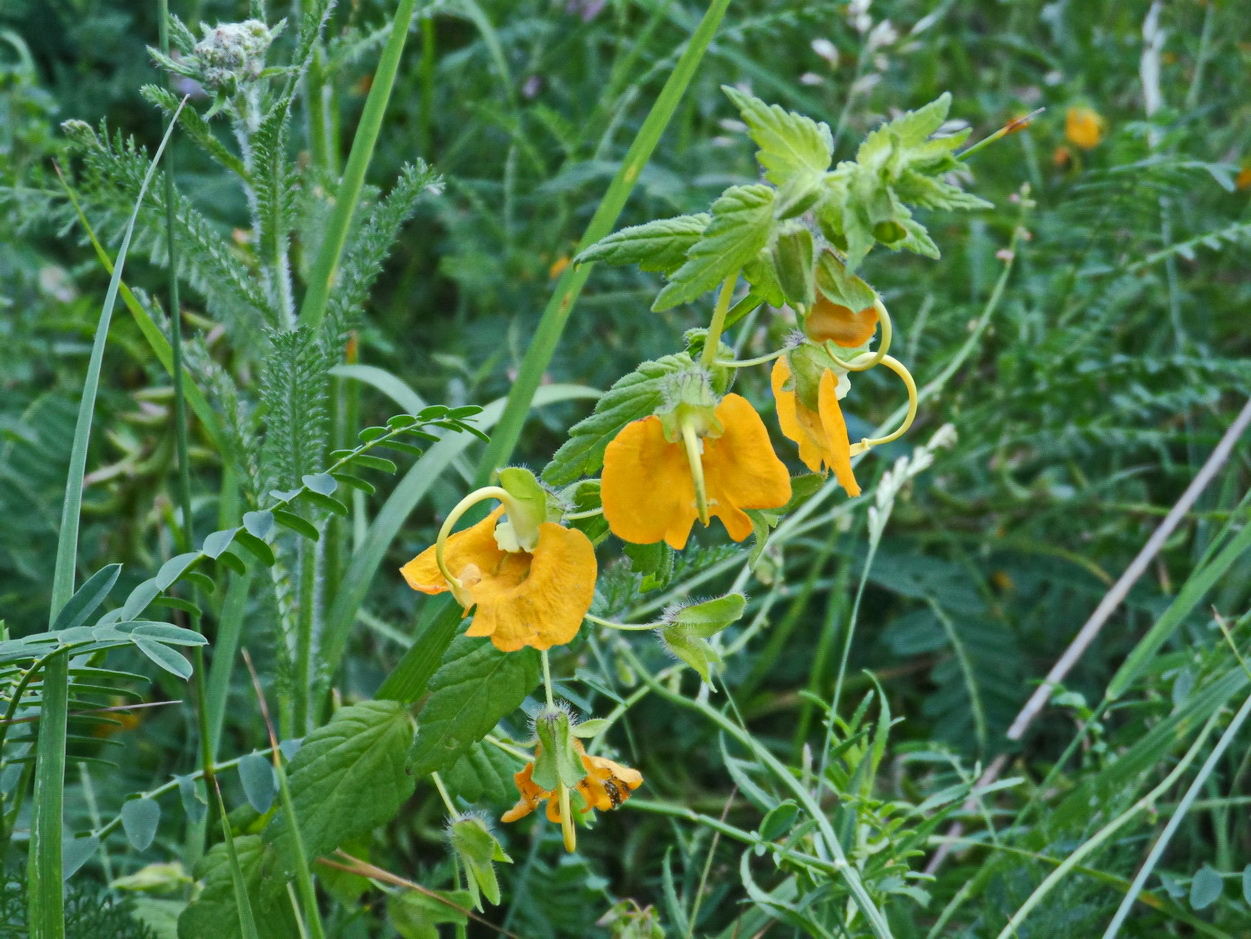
(1114, 361)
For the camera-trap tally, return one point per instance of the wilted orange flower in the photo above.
(649, 488)
(523, 598)
(1243, 179)
(1084, 127)
(821, 434)
(842, 325)
(606, 785)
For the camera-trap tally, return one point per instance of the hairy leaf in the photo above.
(661, 245)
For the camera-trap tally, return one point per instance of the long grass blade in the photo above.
(569, 286)
(46, 894)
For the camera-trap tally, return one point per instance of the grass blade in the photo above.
(46, 894)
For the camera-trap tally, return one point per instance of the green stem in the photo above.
(713, 340)
(628, 627)
(569, 286)
(547, 679)
(326, 266)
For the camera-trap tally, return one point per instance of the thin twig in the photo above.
(1107, 606)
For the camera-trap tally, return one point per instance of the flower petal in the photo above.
(837, 447)
(798, 422)
(740, 468)
(475, 546)
(829, 320)
(540, 603)
(530, 795)
(646, 487)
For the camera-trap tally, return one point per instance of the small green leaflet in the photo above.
(661, 245)
(632, 397)
(841, 287)
(742, 220)
(908, 131)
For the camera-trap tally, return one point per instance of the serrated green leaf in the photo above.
(215, 911)
(661, 245)
(910, 129)
(631, 397)
(361, 750)
(742, 220)
(654, 561)
(483, 774)
(140, 818)
(475, 686)
(792, 147)
(417, 915)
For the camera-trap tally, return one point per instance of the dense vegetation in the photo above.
(209, 638)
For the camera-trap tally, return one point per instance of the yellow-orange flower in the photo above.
(821, 434)
(522, 598)
(606, 785)
(840, 324)
(1084, 127)
(648, 486)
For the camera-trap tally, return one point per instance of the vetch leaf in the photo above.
(256, 774)
(164, 657)
(75, 852)
(661, 245)
(475, 686)
(323, 483)
(257, 548)
(329, 503)
(174, 568)
(299, 525)
(218, 542)
(259, 524)
(1205, 888)
(742, 220)
(374, 462)
(140, 818)
(89, 596)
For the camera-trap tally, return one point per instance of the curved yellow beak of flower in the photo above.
(821, 434)
(1084, 127)
(606, 785)
(649, 488)
(522, 598)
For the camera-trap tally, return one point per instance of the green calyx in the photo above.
(689, 405)
(556, 762)
(526, 508)
(808, 362)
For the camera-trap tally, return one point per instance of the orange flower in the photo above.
(522, 598)
(821, 434)
(651, 491)
(844, 326)
(1084, 127)
(606, 785)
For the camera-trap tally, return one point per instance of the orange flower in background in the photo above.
(1084, 127)
(648, 486)
(606, 785)
(821, 434)
(522, 598)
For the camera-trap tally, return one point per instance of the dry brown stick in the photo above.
(1114, 597)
